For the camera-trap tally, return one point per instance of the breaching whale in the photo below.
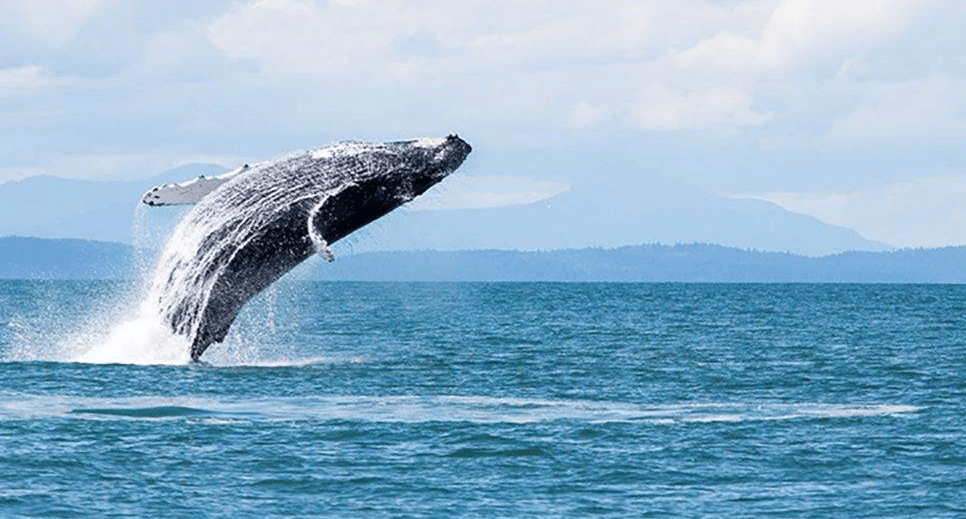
(252, 225)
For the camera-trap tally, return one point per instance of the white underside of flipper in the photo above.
(190, 192)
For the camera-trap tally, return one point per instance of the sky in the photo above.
(852, 112)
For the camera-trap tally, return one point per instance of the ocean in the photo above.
(492, 400)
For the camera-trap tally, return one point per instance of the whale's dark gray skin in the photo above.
(269, 217)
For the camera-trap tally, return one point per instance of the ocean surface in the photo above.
(492, 400)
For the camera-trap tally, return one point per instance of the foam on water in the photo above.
(145, 339)
(118, 330)
(297, 362)
(135, 334)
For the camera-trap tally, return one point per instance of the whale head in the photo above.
(439, 157)
(411, 168)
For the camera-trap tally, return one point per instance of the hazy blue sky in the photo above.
(853, 112)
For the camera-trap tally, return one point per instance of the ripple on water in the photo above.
(425, 409)
(164, 411)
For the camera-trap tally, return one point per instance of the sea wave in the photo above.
(418, 409)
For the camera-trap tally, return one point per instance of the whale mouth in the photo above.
(425, 142)
(450, 149)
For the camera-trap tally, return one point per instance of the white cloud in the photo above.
(485, 191)
(556, 33)
(115, 166)
(266, 76)
(799, 32)
(725, 51)
(53, 22)
(306, 37)
(905, 111)
(26, 80)
(660, 107)
(927, 212)
(798, 28)
(324, 39)
(584, 115)
(711, 62)
(277, 34)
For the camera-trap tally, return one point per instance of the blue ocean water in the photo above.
(496, 400)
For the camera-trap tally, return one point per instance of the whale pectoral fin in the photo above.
(190, 192)
(326, 253)
(321, 246)
(182, 194)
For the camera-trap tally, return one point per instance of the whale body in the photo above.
(254, 224)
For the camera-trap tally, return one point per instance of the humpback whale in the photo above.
(250, 226)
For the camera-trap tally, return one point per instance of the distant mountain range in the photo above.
(609, 216)
(34, 258)
(53, 207)
(38, 258)
(650, 263)
(587, 215)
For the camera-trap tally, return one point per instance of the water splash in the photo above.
(145, 339)
(112, 336)
(142, 340)
(150, 227)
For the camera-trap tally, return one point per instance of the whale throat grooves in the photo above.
(262, 220)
